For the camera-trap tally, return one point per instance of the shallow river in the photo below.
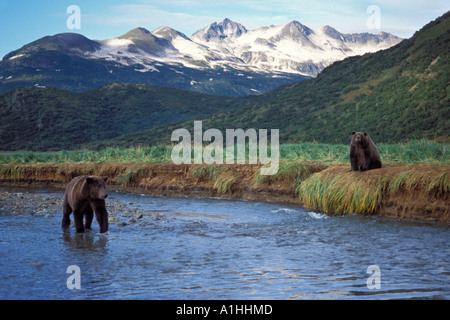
(223, 249)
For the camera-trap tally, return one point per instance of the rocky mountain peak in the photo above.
(137, 33)
(168, 33)
(220, 31)
(331, 32)
(294, 28)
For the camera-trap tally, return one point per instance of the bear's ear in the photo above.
(105, 178)
(89, 180)
(365, 133)
(353, 133)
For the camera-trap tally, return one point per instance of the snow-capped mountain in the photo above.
(222, 58)
(291, 47)
(288, 48)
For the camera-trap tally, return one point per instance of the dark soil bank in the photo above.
(407, 192)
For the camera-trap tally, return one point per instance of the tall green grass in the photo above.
(418, 151)
(421, 151)
(118, 154)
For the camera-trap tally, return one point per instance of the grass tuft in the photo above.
(336, 191)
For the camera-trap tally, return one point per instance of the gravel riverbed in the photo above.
(120, 213)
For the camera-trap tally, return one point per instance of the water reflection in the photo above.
(88, 241)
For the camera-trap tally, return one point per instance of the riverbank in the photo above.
(409, 192)
(49, 205)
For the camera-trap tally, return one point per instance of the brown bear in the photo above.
(364, 154)
(85, 195)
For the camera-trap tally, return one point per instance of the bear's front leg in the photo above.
(89, 214)
(78, 220)
(99, 207)
(353, 161)
(102, 219)
(354, 164)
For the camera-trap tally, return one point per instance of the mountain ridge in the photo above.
(222, 58)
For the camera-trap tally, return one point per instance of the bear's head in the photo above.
(359, 138)
(97, 187)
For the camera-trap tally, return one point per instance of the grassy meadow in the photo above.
(421, 151)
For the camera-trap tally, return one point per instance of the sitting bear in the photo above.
(85, 195)
(364, 154)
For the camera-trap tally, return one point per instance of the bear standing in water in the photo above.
(364, 154)
(84, 196)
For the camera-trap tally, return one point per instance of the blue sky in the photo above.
(24, 21)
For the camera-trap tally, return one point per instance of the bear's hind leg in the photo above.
(67, 210)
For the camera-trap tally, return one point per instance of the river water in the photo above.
(210, 248)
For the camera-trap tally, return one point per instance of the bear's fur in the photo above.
(364, 154)
(85, 195)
